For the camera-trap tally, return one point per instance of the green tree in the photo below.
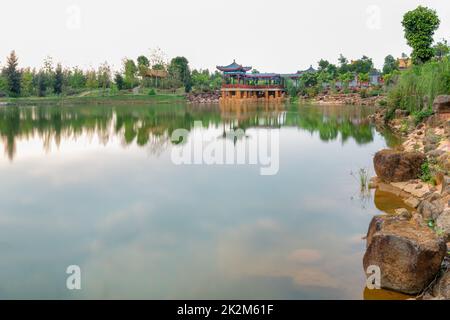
(91, 80)
(143, 65)
(390, 64)
(332, 70)
(59, 79)
(345, 78)
(309, 79)
(419, 26)
(343, 64)
(118, 80)
(441, 49)
(3, 86)
(363, 65)
(26, 85)
(42, 84)
(49, 73)
(104, 76)
(323, 77)
(291, 89)
(323, 64)
(179, 69)
(77, 79)
(200, 80)
(13, 75)
(130, 71)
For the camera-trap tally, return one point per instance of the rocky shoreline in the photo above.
(203, 97)
(347, 99)
(323, 99)
(412, 247)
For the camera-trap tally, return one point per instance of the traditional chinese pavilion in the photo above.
(239, 84)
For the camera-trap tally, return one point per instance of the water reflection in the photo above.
(153, 126)
(110, 200)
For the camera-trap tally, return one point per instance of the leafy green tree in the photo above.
(323, 64)
(77, 79)
(49, 73)
(291, 89)
(345, 78)
(130, 71)
(59, 79)
(309, 79)
(3, 85)
(179, 69)
(26, 84)
(42, 83)
(323, 77)
(390, 64)
(104, 76)
(343, 64)
(363, 65)
(143, 64)
(441, 49)
(216, 80)
(332, 70)
(200, 80)
(118, 80)
(419, 26)
(91, 80)
(12, 74)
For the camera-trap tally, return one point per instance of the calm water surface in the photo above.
(95, 186)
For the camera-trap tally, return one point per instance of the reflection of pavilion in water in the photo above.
(254, 115)
(151, 127)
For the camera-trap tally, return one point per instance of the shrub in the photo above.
(152, 92)
(363, 93)
(425, 174)
(421, 115)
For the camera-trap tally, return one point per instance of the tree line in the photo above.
(54, 80)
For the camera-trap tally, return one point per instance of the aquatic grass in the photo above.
(362, 176)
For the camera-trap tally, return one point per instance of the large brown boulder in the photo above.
(397, 166)
(409, 255)
(441, 289)
(441, 104)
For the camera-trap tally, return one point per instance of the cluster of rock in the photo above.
(412, 247)
(347, 99)
(203, 97)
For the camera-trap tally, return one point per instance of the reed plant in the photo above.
(415, 88)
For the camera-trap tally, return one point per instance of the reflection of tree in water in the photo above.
(152, 126)
(330, 121)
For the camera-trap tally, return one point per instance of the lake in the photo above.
(97, 187)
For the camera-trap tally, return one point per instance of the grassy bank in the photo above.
(416, 88)
(96, 99)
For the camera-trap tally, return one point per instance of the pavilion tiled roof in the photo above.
(234, 67)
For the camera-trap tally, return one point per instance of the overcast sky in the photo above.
(271, 36)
